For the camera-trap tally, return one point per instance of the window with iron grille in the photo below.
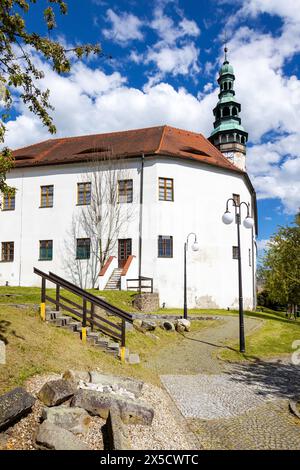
(166, 189)
(236, 198)
(165, 246)
(83, 194)
(46, 250)
(235, 252)
(83, 248)
(47, 196)
(8, 202)
(7, 251)
(125, 190)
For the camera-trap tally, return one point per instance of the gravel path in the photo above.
(231, 406)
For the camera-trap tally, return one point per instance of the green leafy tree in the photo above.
(19, 75)
(281, 266)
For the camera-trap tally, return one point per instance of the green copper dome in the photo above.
(229, 126)
(226, 68)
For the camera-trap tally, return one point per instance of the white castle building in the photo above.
(105, 210)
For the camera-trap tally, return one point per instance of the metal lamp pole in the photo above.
(248, 223)
(195, 248)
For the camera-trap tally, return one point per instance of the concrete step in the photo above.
(102, 342)
(62, 320)
(79, 329)
(113, 346)
(73, 325)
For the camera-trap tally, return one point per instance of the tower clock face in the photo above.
(229, 155)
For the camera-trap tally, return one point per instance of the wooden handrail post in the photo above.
(83, 329)
(92, 315)
(123, 341)
(43, 300)
(57, 297)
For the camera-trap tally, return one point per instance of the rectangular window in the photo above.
(83, 194)
(236, 198)
(8, 202)
(83, 248)
(46, 250)
(125, 190)
(235, 252)
(166, 189)
(7, 251)
(165, 246)
(47, 196)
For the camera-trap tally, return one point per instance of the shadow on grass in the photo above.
(4, 324)
(276, 378)
(217, 346)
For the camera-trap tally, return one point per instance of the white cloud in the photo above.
(125, 27)
(175, 60)
(262, 244)
(168, 31)
(90, 101)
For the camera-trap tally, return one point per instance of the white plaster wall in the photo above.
(200, 194)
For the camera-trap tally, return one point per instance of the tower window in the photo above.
(218, 114)
(231, 138)
(226, 111)
(234, 111)
(229, 85)
(225, 86)
(243, 140)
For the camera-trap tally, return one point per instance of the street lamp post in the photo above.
(248, 223)
(195, 247)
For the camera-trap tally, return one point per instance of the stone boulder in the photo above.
(182, 325)
(97, 403)
(144, 325)
(56, 392)
(73, 419)
(167, 325)
(14, 405)
(50, 436)
(117, 382)
(148, 325)
(76, 376)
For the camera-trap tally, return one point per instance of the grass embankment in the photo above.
(273, 339)
(34, 347)
(32, 295)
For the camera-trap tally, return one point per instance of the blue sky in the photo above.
(165, 59)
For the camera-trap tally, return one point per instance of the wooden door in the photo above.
(124, 251)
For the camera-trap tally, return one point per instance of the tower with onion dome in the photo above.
(228, 135)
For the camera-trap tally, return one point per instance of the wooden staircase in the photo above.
(114, 282)
(93, 318)
(96, 338)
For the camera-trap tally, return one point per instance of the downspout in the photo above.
(21, 232)
(254, 258)
(141, 220)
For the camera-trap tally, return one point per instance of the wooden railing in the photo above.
(141, 284)
(84, 311)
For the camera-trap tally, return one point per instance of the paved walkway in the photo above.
(231, 406)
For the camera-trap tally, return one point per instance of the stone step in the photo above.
(73, 325)
(51, 314)
(79, 329)
(62, 320)
(102, 342)
(113, 346)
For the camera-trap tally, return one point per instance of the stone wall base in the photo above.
(146, 302)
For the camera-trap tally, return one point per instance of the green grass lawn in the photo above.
(34, 347)
(273, 339)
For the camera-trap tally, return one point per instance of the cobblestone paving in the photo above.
(268, 426)
(236, 406)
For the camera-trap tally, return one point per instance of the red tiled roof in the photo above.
(162, 140)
